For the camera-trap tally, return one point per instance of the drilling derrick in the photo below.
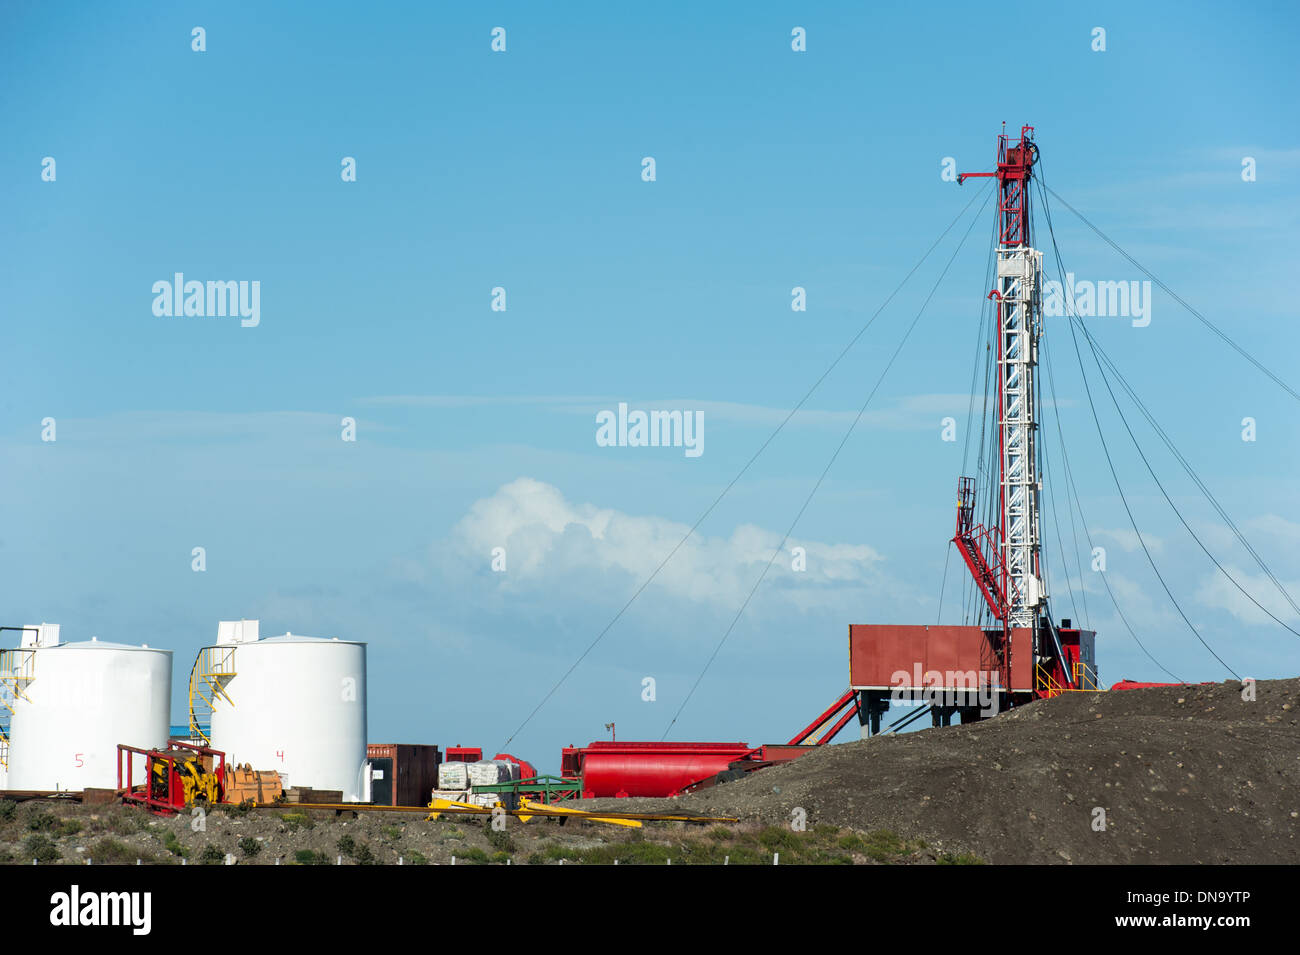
(1020, 273)
(1020, 655)
(1016, 540)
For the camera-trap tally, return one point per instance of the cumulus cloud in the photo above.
(548, 538)
(1218, 591)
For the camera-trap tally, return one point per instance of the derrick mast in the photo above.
(1006, 559)
(1019, 291)
(1014, 652)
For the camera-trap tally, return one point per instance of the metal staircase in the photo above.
(213, 669)
(17, 670)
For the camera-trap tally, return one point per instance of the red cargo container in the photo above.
(463, 754)
(887, 656)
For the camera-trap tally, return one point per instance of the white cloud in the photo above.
(1218, 591)
(549, 538)
(1275, 526)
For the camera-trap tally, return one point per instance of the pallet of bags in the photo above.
(455, 795)
(489, 772)
(453, 776)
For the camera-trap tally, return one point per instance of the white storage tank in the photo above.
(293, 704)
(75, 702)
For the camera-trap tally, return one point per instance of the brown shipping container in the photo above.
(402, 774)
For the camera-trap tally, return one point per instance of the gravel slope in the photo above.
(1184, 774)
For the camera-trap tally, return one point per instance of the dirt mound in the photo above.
(1191, 774)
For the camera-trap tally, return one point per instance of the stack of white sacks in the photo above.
(488, 772)
(456, 779)
(453, 776)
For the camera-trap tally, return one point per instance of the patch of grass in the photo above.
(960, 858)
(236, 809)
(777, 838)
(358, 852)
(249, 846)
(40, 847)
(173, 845)
(211, 855)
(550, 852)
(628, 853)
(363, 855)
(720, 833)
(392, 833)
(311, 857)
(884, 846)
(501, 841)
(110, 851)
(417, 858)
(43, 822)
(8, 810)
(473, 855)
(69, 827)
(127, 822)
(852, 842)
(293, 821)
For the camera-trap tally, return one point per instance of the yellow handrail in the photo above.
(17, 670)
(212, 668)
(1084, 681)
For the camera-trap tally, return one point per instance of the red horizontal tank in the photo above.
(649, 769)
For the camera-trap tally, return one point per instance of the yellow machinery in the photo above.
(180, 776)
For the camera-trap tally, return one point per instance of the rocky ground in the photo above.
(1170, 775)
(66, 832)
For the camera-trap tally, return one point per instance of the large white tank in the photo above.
(77, 702)
(293, 704)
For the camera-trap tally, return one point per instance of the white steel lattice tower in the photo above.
(1015, 587)
(1020, 272)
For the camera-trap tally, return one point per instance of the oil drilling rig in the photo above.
(1011, 648)
(1019, 653)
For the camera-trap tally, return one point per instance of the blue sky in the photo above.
(522, 170)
